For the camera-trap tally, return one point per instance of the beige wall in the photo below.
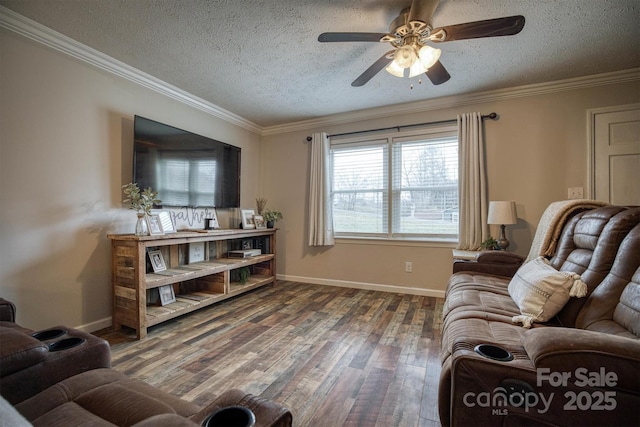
(66, 132)
(535, 151)
(65, 150)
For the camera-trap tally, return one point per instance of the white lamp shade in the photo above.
(416, 69)
(395, 69)
(405, 56)
(429, 56)
(502, 213)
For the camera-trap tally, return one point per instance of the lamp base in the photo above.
(503, 243)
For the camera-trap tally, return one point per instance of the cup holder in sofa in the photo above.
(231, 416)
(493, 352)
(48, 334)
(66, 344)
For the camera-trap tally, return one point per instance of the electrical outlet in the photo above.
(408, 267)
(576, 193)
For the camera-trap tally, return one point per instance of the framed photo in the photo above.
(157, 261)
(196, 252)
(154, 225)
(167, 296)
(211, 221)
(166, 221)
(259, 221)
(247, 218)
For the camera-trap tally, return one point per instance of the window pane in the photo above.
(359, 212)
(426, 187)
(359, 189)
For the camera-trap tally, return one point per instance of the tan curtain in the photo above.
(320, 206)
(472, 183)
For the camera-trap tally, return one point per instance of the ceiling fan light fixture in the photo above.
(416, 69)
(429, 56)
(395, 69)
(405, 56)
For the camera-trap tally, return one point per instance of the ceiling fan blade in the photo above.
(438, 74)
(350, 37)
(507, 26)
(374, 69)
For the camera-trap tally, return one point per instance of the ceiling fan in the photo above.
(409, 34)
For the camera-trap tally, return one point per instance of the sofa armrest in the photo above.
(549, 381)
(34, 361)
(166, 420)
(19, 351)
(7, 311)
(498, 263)
(501, 257)
(268, 413)
(567, 349)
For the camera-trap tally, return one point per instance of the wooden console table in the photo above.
(196, 284)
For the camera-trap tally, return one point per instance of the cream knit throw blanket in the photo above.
(552, 222)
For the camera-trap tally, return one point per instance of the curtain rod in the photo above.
(492, 116)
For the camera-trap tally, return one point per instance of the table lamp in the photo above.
(502, 213)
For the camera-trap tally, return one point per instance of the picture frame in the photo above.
(167, 295)
(157, 261)
(166, 221)
(196, 252)
(154, 225)
(211, 221)
(247, 219)
(259, 221)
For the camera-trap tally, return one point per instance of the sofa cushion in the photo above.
(627, 312)
(614, 306)
(101, 394)
(576, 253)
(540, 291)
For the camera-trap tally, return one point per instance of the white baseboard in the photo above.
(96, 326)
(363, 285)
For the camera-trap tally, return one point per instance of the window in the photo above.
(403, 185)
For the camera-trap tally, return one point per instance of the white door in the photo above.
(616, 154)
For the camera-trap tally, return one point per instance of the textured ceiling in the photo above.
(261, 59)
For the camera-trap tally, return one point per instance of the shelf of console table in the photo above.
(196, 285)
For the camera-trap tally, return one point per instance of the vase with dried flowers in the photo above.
(261, 203)
(141, 202)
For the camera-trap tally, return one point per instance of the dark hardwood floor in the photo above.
(333, 356)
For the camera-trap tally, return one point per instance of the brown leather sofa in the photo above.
(582, 367)
(61, 377)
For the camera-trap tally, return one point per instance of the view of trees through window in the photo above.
(396, 186)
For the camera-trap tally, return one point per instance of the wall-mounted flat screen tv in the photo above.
(184, 168)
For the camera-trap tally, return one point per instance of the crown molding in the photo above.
(32, 30)
(458, 100)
